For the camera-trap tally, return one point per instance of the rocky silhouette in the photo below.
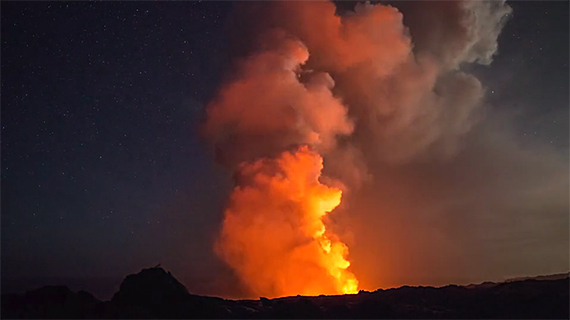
(155, 293)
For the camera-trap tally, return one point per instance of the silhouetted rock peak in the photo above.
(150, 286)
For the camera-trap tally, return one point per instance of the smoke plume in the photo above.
(385, 97)
(273, 232)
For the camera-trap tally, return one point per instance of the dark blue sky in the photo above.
(100, 110)
(103, 169)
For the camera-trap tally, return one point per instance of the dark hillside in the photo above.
(155, 293)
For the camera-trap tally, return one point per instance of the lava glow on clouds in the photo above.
(273, 233)
(361, 94)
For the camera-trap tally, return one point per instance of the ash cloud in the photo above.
(438, 188)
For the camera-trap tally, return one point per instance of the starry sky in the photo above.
(104, 171)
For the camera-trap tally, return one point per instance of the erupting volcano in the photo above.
(272, 127)
(357, 92)
(296, 159)
(273, 233)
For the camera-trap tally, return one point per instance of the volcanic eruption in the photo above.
(273, 233)
(319, 101)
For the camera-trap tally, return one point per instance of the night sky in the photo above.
(104, 171)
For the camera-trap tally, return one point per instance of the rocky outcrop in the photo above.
(155, 293)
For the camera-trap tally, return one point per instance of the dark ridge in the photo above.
(155, 293)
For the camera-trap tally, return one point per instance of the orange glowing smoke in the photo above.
(273, 234)
(366, 96)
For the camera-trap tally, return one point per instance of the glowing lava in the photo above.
(273, 234)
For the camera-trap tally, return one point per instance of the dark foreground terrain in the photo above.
(155, 293)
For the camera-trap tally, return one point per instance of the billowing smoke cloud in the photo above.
(273, 231)
(267, 109)
(407, 99)
(384, 95)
